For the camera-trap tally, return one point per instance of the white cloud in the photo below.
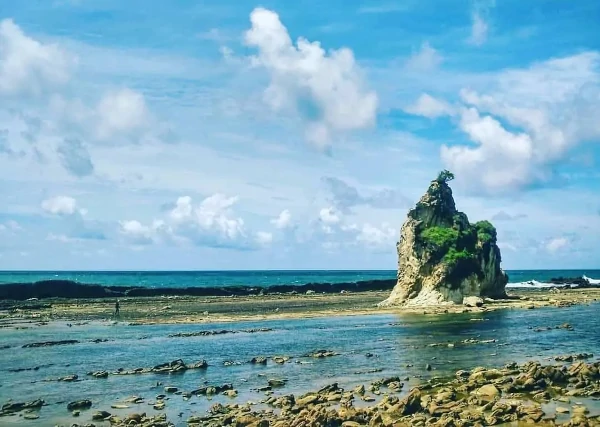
(284, 220)
(479, 29)
(326, 89)
(211, 223)
(28, 66)
(377, 236)
(479, 21)
(60, 205)
(425, 59)
(329, 216)
(556, 244)
(337, 231)
(121, 112)
(137, 233)
(501, 159)
(264, 238)
(527, 121)
(430, 107)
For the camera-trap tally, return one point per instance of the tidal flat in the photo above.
(259, 357)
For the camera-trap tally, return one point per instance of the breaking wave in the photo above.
(537, 284)
(592, 281)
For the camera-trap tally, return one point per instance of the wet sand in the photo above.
(176, 309)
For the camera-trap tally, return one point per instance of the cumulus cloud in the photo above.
(210, 223)
(60, 205)
(430, 107)
(526, 123)
(325, 88)
(345, 196)
(76, 227)
(329, 216)
(336, 230)
(139, 234)
(28, 66)
(284, 220)
(376, 237)
(75, 157)
(426, 59)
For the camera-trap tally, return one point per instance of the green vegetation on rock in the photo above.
(486, 232)
(445, 176)
(454, 242)
(440, 237)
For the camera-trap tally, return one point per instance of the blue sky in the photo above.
(293, 135)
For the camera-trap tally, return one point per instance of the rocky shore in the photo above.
(563, 391)
(70, 289)
(189, 309)
(67, 289)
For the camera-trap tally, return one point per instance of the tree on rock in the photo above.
(445, 176)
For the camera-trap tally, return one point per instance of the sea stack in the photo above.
(442, 258)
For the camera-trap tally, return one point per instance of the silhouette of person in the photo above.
(117, 308)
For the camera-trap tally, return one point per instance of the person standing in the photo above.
(116, 309)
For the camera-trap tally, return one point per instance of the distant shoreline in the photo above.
(70, 289)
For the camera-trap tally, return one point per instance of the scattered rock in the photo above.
(473, 301)
(79, 404)
(259, 360)
(100, 415)
(50, 343)
(12, 407)
(321, 353)
(276, 382)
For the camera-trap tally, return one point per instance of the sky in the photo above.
(205, 135)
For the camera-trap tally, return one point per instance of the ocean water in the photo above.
(158, 279)
(400, 345)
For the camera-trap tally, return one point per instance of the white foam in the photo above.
(592, 281)
(531, 284)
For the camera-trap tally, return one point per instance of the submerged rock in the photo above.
(442, 258)
(19, 406)
(79, 404)
(50, 343)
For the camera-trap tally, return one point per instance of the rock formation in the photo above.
(442, 258)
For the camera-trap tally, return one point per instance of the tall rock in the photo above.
(442, 258)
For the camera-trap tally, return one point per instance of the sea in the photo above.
(261, 278)
(368, 348)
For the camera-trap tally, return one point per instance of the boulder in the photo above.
(473, 301)
(442, 258)
(488, 390)
(79, 404)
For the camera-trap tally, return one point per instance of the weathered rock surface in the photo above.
(442, 258)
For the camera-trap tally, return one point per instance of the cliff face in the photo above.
(442, 257)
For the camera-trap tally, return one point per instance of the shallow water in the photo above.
(400, 345)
